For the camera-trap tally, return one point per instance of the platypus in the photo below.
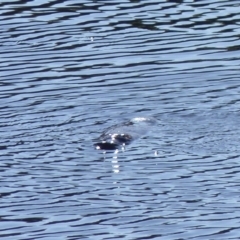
(123, 134)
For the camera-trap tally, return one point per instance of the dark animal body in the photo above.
(123, 134)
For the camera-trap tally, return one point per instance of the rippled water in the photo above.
(69, 70)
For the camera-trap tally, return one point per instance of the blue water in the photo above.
(70, 70)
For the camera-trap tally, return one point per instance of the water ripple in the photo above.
(70, 70)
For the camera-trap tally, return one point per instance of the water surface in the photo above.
(69, 70)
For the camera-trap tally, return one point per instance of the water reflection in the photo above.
(115, 163)
(114, 159)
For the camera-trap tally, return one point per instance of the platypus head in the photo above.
(114, 141)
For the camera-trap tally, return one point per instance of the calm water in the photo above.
(70, 69)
